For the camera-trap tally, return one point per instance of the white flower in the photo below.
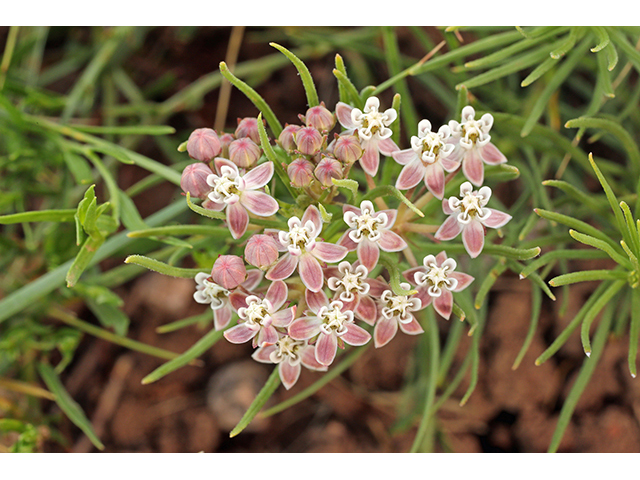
(372, 122)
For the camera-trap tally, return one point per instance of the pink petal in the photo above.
(315, 300)
(411, 175)
(409, 275)
(222, 317)
(220, 162)
(238, 300)
(263, 354)
(473, 168)
(289, 373)
(328, 252)
(326, 348)
(491, 155)
(370, 158)
(350, 208)
(368, 253)
(411, 328)
(444, 304)
(312, 213)
(309, 359)
(457, 154)
(434, 179)
(304, 328)
(346, 241)
(391, 214)
(449, 164)
(254, 277)
(449, 230)
(464, 280)
(258, 177)
(284, 317)
(391, 242)
(277, 294)
(310, 272)
(385, 330)
(259, 203)
(356, 335)
(367, 310)
(343, 114)
(441, 257)
(446, 208)
(473, 238)
(423, 296)
(403, 157)
(497, 219)
(267, 336)
(376, 287)
(388, 147)
(237, 219)
(239, 334)
(283, 268)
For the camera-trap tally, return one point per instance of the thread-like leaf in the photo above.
(305, 75)
(263, 396)
(161, 267)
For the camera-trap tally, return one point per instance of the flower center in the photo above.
(215, 292)
(299, 238)
(225, 187)
(286, 347)
(431, 145)
(471, 205)
(257, 312)
(366, 225)
(472, 131)
(334, 319)
(437, 279)
(398, 305)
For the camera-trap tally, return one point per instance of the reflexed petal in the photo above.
(403, 157)
(423, 296)
(283, 268)
(473, 238)
(491, 155)
(350, 208)
(449, 230)
(444, 304)
(464, 280)
(263, 354)
(449, 164)
(385, 330)
(377, 287)
(367, 310)
(309, 359)
(315, 300)
(473, 168)
(284, 317)
(346, 241)
(238, 300)
(289, 373)
(239, 334)
(259, 176)
(343, 114)
(328, 252)
(326, 348)
(237, 219)
(497, 218)
(304, 328)
(267, 336)
(409, 275)
(312, 213)
(310, 272)
(277, 294)
(457, 154)
(387, 147)
(254, 276)
(370, 158)
(356, 335)
(411, 328)
(441, 257)
(391, 241)
(391, 214)
(259, 203)
(222, 317)
(411, 175)
(434, 179)
(446, 208)
(220, 162)
(368, 253)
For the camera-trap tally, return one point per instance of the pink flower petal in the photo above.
(237, 219)
(497, 219)
(368, 253)
(449, 230)
(356, 335)
(473, 168)
(411, 175)
(222, 317)
(391, 214)
(346, 241)
(312, 213)
(473, 238)
(387, 147)
(309, 359)
(240, 334)
(289, 373)
(283, 268)
(267, 336)
(304, 328)
(434, 180)
(263, 354)
(411, 328)
(464, 280)
(441, 257)
(409, 275)
(457, 154)
(284, 317)
(238, 300)
(328, 252)
(277, 294)
(326, 348)
(449, 164)
(315, 300)
(491, 155)
(391, 241)
(446, 208)
(343, 114)
(385, 330)
(350, 208)
(423, 296)
(254, 277)
(310, 272)
(367, 310)
(258, 177)
(370, 158)
(259, 203)
(444, 304)
(403, 157)
(376, 287)
(220, 162)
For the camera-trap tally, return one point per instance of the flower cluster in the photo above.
(309, 283)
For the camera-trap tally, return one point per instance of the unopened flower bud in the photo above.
(244, 152)
(225, 141)
(300, 172)
(228, 271)
(248, 127)
(327, 169)
(261, 251)
(320, 118)
(308, 140)
(204, 144)
(286, 139)
(347, 148)
(194, 180)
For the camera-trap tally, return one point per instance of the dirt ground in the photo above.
(194, 408)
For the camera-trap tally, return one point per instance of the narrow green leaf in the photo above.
(588, 276)
(185, 322)
(351, 95)
(384, 190)
(631, 228)
(65, 215)
(204, 211)
(558, 254)
(305, 75)
(634, 331)
(603, 38)
(161, 267)
(600, 245)
(83, 259)
(567, 45)
(349, 184)
(488, 282)
(540, 70)
(575, 224)
(591, 315)
(273, 158)
(125, 129)
(578, 195)
(68, 404)
(395, 277)
(536, 305)
(263, 396)
(604, 76)
(178, 230)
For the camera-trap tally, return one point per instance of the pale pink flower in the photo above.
(332, 324)
(304, 251)
(207, 291)
(436, 280)
(308, 140)
(289, 355)
(349, 282)
(372, 130)
(426, 160)
(473, 145)
(239, 194)
(261, 316)
(394, 311)
(469, 215)
(369, 232)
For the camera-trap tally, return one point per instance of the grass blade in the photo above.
(263, 396)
